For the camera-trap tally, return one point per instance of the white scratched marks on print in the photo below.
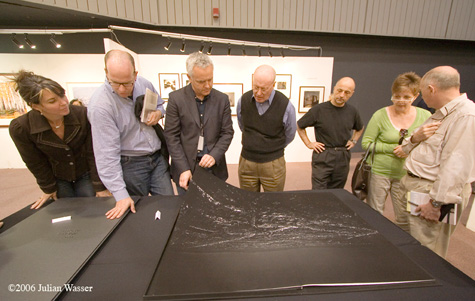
(231, 220)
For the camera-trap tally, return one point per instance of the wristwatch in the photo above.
(354, 141)
(435, 204)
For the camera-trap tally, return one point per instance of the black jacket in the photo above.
(49, 157)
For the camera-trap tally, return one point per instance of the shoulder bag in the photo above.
(360, 178)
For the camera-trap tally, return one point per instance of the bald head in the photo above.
(346, 81)
(440, 86)
(443, 77)
(119, 58)
(265, 73)
(342, 91)
(263, 82)
(120, 71)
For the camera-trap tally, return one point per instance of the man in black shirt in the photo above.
(338, 127)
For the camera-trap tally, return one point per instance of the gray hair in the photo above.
(197, 59)
(444, 78)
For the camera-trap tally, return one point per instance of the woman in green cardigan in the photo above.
(387, 128)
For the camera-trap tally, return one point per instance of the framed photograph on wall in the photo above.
(82, 91)
(310, 96)
(169, 82)
(11, 103)
(184, 80)
(283, 83)
(234, 92)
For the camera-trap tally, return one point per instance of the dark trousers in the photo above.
(81, 187)
(146, 174)
(330, 168)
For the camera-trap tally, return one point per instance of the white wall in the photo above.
(68, 68)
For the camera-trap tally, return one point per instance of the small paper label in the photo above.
(157, 214)
(201, 142)
(61, 219)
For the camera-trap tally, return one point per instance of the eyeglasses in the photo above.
(117, 85)
(402, 135)
(404, 98)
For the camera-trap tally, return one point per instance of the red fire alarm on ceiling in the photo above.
(215, 12)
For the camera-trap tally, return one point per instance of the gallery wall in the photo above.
(372, 61)
(87, 69)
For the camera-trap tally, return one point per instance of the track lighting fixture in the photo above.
(202, 47)
(259, 51)
(182, 49)
(268, 51)
(168, 45)
(210, 48)
(229, 49)
(56, 44)
(282, 52)
(16, 42)
(29, 42)
(243, 50)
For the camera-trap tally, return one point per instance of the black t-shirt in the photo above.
(333, 125)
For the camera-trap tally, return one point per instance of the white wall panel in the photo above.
(449, 19)
(229, 13)
(93, 6)
(102, 7)
(361, 15)
(154, 19)
(69, 3)
(82, 5)
(462, 11)
(120, 5)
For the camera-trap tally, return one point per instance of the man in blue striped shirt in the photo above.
(127, 151)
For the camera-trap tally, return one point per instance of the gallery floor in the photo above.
(18, 189)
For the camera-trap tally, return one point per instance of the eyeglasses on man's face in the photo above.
(402, 135)
(117, 85)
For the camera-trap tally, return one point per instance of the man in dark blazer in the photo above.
(198, 125)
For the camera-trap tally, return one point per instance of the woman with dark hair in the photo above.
(54, 140)
(76, 102)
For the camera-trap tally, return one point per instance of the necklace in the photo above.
(60, 124)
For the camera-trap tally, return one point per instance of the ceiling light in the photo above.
(56, 44)
(268, 51)
(243, 50)
(29, 43)
(229, 49)
(210, 48)
(16, 42)
(259, 50)
(202, 47)
(182, 49)
(168, 45)
(282, 52)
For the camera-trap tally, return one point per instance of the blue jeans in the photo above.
(146, 174)
(81, 187)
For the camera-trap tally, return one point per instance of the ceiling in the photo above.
(433, 19)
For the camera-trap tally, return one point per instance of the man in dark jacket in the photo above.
(198, 127)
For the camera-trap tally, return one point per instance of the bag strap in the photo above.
(374, 150)
(367, 153)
